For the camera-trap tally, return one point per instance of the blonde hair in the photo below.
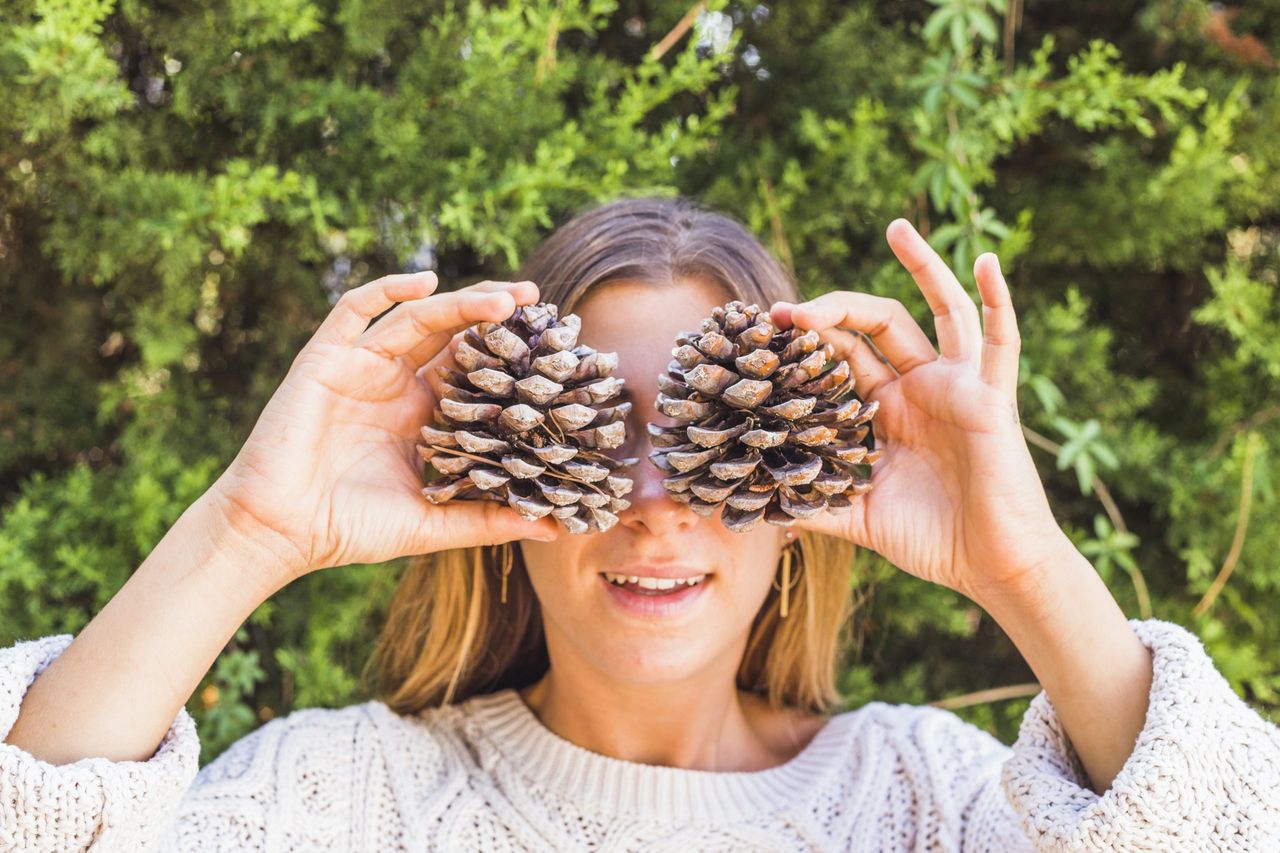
(447, 636)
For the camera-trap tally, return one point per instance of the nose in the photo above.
(652, 510)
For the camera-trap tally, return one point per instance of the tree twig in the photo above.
(547, 61)
(1113, 513)
(1242, 524)
(677, 32)
(994, 694)
(1012, 23)
(775, 223)
(1258, 418)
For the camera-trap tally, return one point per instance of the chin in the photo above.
(654, 661)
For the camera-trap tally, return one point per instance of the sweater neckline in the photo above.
(609, 785)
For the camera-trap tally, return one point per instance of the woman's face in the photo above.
(633, 633)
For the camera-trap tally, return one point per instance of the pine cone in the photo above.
(521, 422)
(769, 427)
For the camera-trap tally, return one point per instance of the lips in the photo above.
(650, 596)
(653, 585)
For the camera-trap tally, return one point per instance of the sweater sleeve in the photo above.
(106, 805)
(1204, 773)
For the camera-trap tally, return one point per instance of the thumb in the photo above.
(849, 524)
(465, 524)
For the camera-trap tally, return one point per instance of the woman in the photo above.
(577, 715)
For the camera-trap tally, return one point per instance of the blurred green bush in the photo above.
(184, 189)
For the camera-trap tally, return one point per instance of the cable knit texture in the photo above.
(487, 775)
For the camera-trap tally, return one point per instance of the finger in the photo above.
(413, 330)
(429, 328)
(524, 293)
(353, 311)
(955, 316)
(467, 523)
(894, 331)
(1001, 342)
(444, 357)
(849, 524)
(870, 367)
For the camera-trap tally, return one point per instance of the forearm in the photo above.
(116, 689)
(1095, 670)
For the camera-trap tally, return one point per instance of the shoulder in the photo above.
(287, 749)
(309, 779)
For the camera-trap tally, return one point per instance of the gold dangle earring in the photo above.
(788, 583)
(508, 560)
(505, 558)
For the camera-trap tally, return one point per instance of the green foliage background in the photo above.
(185, 188)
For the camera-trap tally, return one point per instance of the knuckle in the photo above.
(493, 524)
(894, 312)
(421, 323)
(368, 286)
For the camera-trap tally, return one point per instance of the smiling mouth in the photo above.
(642, 585)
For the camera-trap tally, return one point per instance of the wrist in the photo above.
(1046, 591)
(1036, 584)
(231, 547)
(1086, 657)
(1062, 612)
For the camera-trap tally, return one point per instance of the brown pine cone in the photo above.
(769, 427)
(522, 421)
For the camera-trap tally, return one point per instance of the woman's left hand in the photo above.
(956, 498)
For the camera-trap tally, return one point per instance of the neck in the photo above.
(697, 723)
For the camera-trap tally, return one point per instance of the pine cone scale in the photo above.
(747, 393)
(760, 364)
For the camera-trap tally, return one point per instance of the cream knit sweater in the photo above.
(487, 775)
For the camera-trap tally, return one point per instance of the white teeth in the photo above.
(653, 583)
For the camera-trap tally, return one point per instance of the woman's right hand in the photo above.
(329, 474)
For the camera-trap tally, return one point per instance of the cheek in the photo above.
(551, 564)
(755, 561)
